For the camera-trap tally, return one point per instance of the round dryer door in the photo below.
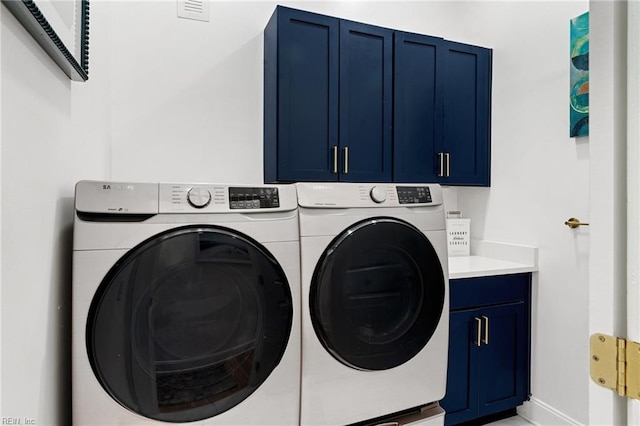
(377, 294)
(189, 323)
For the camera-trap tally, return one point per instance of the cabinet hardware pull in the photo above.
(335, 159)
(485, 339)
(479, 333)
(441, 156)
(446, 154)
(346, 160)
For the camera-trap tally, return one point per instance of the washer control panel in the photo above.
(207, 198)
(253, 198)
(414, 194)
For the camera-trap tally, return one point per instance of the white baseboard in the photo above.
(542, 414)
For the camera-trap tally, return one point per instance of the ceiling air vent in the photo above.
(194, 9)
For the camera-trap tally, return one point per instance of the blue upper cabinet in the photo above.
(346, 101)
(366, 64)
(417, 125)
(301, 65)
(327, 99)
(463, 152)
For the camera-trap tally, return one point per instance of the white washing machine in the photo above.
(185, 304)
(375, 311)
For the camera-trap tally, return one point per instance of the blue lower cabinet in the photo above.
(489, 347)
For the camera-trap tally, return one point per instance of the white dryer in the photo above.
(375, 311)
(185, 304)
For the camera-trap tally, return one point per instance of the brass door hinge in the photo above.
(615, 364)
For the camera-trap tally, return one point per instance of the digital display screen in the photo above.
(253, 198)
(414, 194)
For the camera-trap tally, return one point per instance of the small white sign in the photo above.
(458, 238)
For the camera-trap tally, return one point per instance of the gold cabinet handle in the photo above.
(573, 223)
(446, 154)
(479, 330)
(441, 156)
(485, 339)
(335, 159)
(346, 160)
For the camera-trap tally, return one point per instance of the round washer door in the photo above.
(189, 323)
(377, 294)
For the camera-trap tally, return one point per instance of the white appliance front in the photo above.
(375, 300)
(185, 305)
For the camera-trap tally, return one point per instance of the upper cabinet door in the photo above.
(417, 122)
(366, 66)
(467, 115)
(301, 52)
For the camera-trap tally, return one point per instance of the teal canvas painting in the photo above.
(579, 96)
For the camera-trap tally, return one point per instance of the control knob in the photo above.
(199, 197)
(378, 194)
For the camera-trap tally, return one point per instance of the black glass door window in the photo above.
(189, 323)
(377, 294)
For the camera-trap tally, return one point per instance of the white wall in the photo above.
(540, 178)
(54, 133)
(170, 99)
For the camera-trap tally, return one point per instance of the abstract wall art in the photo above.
(579, 95)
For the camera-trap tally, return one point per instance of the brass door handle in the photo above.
(574, 223)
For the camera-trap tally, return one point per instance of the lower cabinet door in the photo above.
(502, 358)
(488, 361)
(461, 400)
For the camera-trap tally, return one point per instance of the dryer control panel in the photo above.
(378, 195)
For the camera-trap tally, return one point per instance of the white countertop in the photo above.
(480, 266)
(491, 258)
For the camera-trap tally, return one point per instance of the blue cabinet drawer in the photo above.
(484, 291)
